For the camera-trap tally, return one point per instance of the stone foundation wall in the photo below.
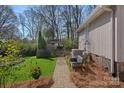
(120, 66)
(102, 62)
(106, 65)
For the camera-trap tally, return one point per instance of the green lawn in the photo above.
(23, 71)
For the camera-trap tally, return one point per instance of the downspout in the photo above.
(87, 39)
(113, 64)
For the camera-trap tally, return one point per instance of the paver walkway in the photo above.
(62, 75)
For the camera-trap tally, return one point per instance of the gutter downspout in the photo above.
(87, 39)
(113, 64)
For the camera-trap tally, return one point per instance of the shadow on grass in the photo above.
(49, 58)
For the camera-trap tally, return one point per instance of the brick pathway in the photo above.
(62, 75)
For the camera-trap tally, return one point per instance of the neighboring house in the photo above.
(103, 30)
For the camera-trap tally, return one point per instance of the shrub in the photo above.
(27, 48)
(43, 53)
(9, 54)
(59, 47)
(68, 43)
(36, 72)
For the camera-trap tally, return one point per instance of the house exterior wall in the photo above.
(99, 36)
(82, 37)
(120, 34)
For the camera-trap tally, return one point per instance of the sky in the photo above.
(19, 8)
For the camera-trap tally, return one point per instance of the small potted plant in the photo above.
(36, 72)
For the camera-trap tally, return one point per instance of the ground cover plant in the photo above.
(67, 61)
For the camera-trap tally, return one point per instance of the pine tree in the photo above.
(41, 41)
(42, 51)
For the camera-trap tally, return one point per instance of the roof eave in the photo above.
(96, 12)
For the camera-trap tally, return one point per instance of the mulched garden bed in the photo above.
(92, 76)
(43, 82)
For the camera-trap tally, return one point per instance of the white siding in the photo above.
(82, 37)
(100, 36)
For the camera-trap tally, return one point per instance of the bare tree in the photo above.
(50, 14)
(31, 22)
(8, 22)
(58, 20)
(72, 18)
